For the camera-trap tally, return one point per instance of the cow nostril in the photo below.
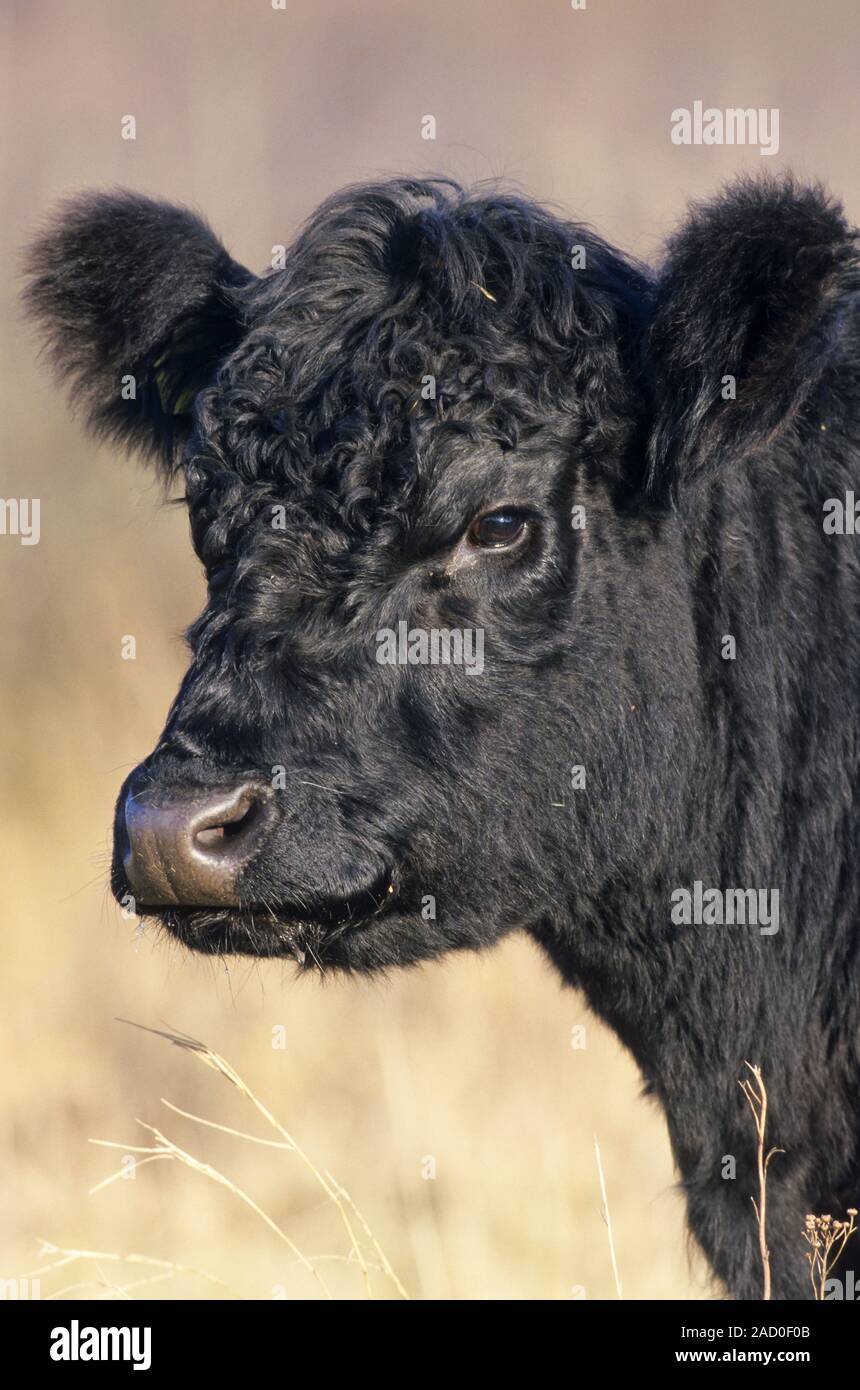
(212, 838)
(221, 836)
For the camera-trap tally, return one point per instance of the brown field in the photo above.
(254, 115)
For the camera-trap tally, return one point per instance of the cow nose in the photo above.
(188, 847)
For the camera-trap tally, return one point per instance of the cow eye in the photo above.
(497, 530)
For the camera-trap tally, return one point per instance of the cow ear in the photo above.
(751, 307)
(139, 303)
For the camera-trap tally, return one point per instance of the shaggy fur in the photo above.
(600, 387)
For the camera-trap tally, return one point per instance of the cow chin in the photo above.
(381, 940)
(261, 932)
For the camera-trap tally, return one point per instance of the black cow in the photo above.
(534, 603)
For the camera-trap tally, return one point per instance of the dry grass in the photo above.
(826, 1238)
(604, 1208)
(356, 1228)
(107, 1273)
(347, 1210)
(755, 1091)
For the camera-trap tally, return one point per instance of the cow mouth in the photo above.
(304, 930)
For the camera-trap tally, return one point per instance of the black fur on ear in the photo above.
(757, 286)
(138, 302)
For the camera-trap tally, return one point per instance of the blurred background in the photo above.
(449, 1102)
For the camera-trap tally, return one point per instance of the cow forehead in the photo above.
(333, 455)
(270, 463)
(352, 514)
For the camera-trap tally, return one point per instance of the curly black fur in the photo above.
(598, 386)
